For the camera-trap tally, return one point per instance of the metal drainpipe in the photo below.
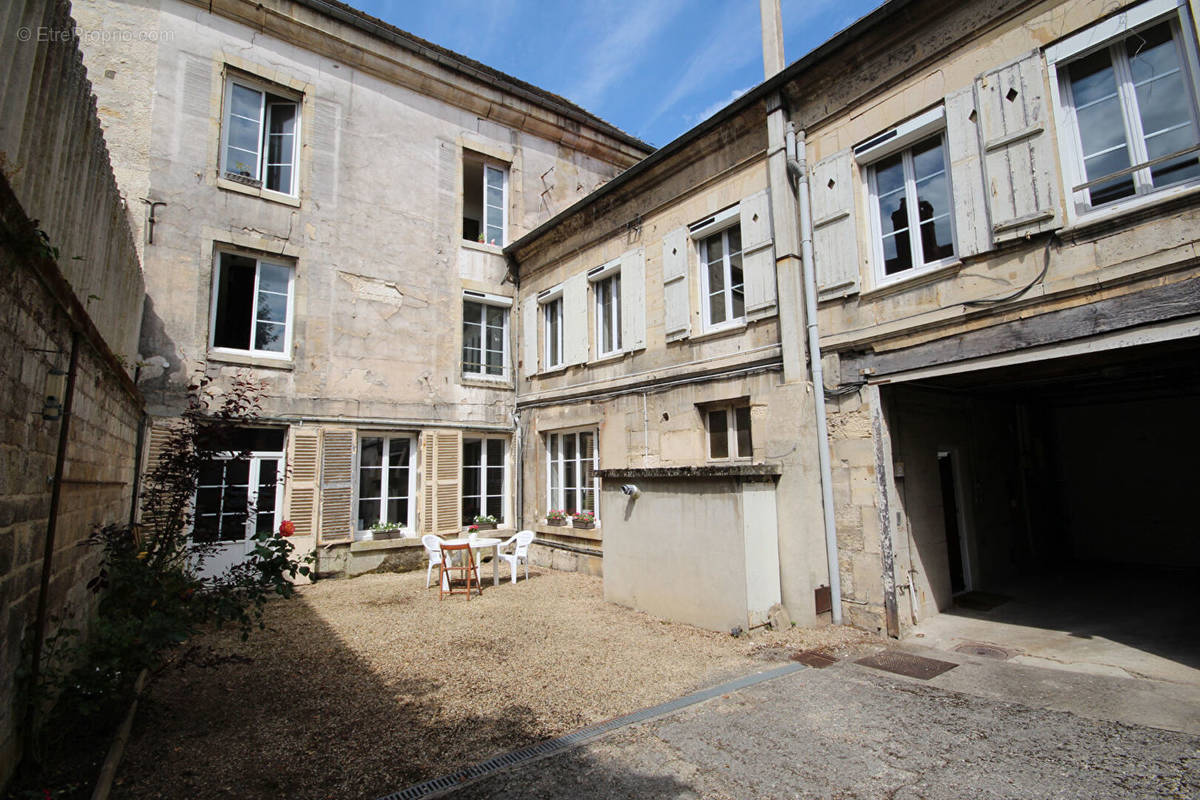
(60, 459)
(798, 166)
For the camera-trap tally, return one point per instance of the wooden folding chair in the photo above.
(465, 567)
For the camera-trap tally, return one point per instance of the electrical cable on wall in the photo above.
(1014, 295)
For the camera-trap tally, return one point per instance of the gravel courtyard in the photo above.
(361, 687)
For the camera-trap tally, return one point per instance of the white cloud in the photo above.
(696, 119)
(615, 54)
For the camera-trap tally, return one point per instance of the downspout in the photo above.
(798, 169)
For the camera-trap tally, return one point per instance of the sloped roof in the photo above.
(470, 67)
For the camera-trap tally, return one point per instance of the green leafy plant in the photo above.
(588, 517)
(485, 519)
(152, 593)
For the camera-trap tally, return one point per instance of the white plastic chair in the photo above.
(433, 548)
(520, 553)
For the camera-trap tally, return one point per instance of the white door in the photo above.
(233, 500)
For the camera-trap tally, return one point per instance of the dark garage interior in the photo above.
(1057, 495)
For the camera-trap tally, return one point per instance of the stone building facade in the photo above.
(994, 282)
(325, 202)
(979, 377)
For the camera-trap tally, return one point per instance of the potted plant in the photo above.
(583, 519)
(556, 516)
(484, 522)
(387, 530)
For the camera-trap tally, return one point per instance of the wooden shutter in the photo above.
(1018, 153)
(575, 319)
(337, 481)
(529, 338)
(633, 300)
(441, 457)
(758, 255)
(973, 232)
(303, 461)
(835, 234)
(677, 306)
(157, 437)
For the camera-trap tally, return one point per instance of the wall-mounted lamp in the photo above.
(631, 491)
(56, 388)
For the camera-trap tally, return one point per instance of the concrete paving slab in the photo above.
(852, 732)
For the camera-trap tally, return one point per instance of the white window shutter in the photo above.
(529, 338)
(633, 300)
(677, 306)
(337, 481)
(303, 467)
(441, 457)
(835, 234)
(575, 320)
(758, 255)
(1018, 153)
(158, 439)
(971, 226)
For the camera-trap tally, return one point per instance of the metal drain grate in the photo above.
(454, 780)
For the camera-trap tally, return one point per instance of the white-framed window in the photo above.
(260, 136)
(723, 293)
(571, 482)
(485, 336)
(483, 477)
(606, 291)
(252, 306)
(552, 330)
(237, 497)
(727, 427)
(385, 480)
(1126, 93)
(485, 200)
(912, 224)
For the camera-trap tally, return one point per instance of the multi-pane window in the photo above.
(384, 481)
(483, 479)
(484, 201)
(485, 340)
(552, 325)
(571, 467)
(239, 495)
(721, 278)
(608, 314)
(728, 428)
(1134, 120)
(252, 305)
(261, 137)
(910, 191)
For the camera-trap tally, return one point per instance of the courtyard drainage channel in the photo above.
(439, 787)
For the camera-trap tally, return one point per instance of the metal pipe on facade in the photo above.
(60, 460)
(798, 166)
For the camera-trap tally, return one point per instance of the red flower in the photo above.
(287, 528)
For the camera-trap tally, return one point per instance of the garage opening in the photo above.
(1050, 508)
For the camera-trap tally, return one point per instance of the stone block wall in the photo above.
(68, 272)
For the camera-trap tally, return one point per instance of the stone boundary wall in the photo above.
(68, 268)
(53, 153)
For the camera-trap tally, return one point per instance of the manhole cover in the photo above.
(984, 650)
(907, 664)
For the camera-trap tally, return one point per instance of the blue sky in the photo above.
(654, 68)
